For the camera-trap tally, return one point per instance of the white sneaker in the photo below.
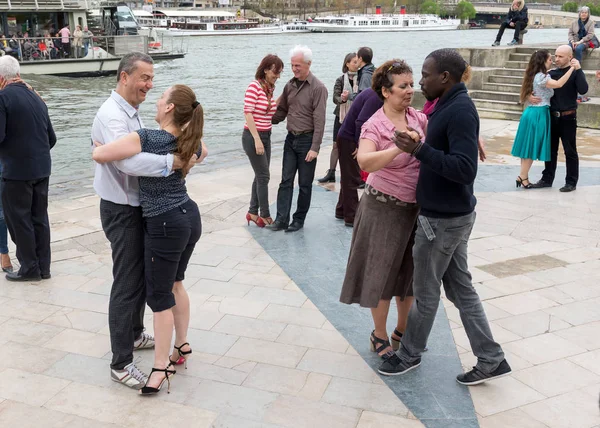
(145, 341)
(130, 376)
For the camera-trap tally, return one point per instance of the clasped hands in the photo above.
(408, 140)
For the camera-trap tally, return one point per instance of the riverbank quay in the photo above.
(270, 350)
(498, 73)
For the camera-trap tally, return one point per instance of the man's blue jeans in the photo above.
(294, 153)
(440, 256)
(578, 51)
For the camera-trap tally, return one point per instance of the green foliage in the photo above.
(594, 8)
(569, 6)
(465, 10)
(430, 7)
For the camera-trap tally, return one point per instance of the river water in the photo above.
(219, 69)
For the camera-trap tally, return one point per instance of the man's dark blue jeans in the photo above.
(294, 154)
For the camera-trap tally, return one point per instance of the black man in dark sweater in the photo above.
(563, 120)
(445, 194)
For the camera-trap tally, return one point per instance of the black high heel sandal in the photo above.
(520, 182)
(378, 345)
(182, 355)
(150, 390)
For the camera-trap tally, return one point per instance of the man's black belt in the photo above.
(302, 132)
(563, 113)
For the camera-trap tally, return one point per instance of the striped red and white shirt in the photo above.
(256, 102)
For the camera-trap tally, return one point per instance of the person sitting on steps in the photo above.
(581, 33)
(517, 18)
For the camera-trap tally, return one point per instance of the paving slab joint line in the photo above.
(323, 292)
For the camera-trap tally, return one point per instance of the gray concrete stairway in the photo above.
(499, 96)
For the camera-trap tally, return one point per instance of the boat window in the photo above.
(415, 22)
(405, 23)
(385, 23)
(423, 21)
(374, 22)
(395, 22)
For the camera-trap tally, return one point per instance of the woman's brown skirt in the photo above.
(380, 264)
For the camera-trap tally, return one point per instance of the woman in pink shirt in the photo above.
(259, 107)
(380, 264)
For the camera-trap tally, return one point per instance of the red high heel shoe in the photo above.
(258, 221)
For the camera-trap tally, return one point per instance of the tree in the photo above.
(594, 8)
(569, 6)
(430, 7)
(465, 10)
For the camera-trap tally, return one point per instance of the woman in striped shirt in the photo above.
(259, 108)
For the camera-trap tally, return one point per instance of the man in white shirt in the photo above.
(117, 185)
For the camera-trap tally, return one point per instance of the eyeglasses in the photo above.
(394, 65)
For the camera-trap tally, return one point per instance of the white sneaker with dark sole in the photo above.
(145, 341)
(130, 376)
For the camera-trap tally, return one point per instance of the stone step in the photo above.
(519, 57)
(502, 87)
(498, 114)
(509, 72)
(516, 80)
(495, 95)
(519, 65)
(498, 105)
(526, 50)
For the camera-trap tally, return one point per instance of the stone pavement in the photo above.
(273, 348)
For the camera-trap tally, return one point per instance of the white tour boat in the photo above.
(223, 28)
(380, 23)
(201, 23)
(295, 27)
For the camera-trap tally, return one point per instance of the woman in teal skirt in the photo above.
(532, 141)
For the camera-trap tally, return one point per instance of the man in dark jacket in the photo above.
(517, 18)
(26, 137)
(445, 194)
(365, 70)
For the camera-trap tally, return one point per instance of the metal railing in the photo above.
(49, 49)
(175, 45)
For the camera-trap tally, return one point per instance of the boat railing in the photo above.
(53, 48)
(168, 43)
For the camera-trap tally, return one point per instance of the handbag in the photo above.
(593, 43)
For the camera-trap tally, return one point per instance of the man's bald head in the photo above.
(563, 56)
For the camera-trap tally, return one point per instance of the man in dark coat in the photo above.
(26, 137)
